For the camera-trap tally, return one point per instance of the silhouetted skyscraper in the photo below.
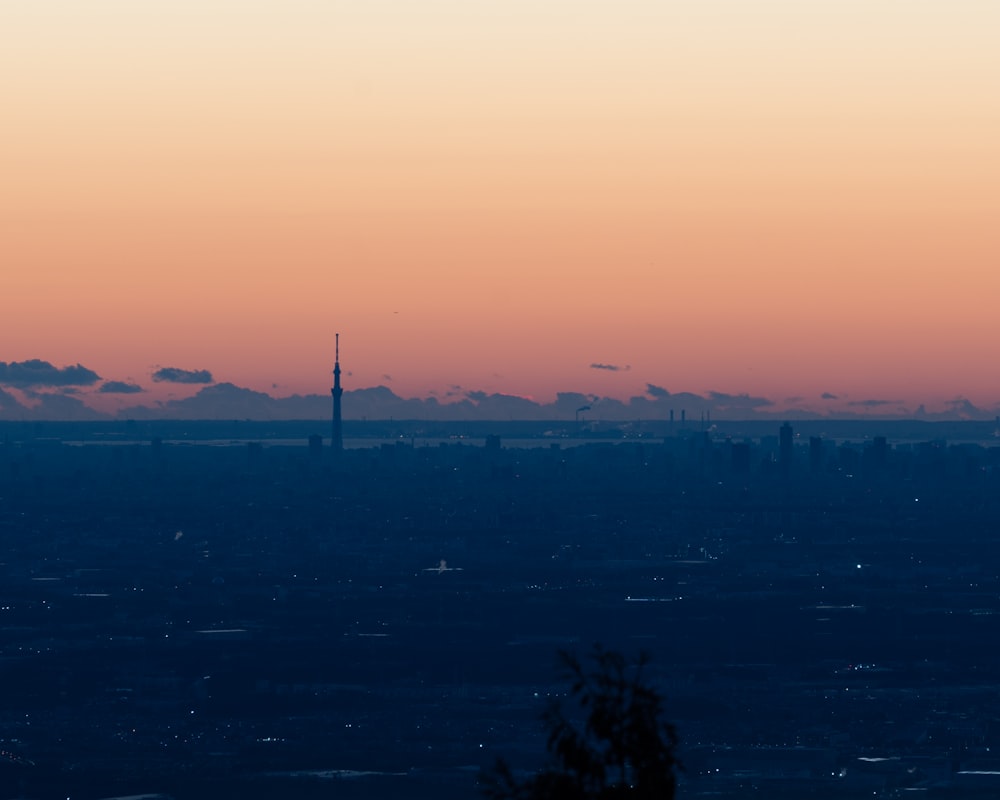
(740, 457)
(880, 452)
(337, 439)
(316, 447)
(815, 454)
(785, 448)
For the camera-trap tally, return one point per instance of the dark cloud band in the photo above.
(177, 375)
(35, 372)
(611, 367)
(119, 387)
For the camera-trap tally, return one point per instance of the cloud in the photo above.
(964, 408)
(35, 372)
(873, 403)
(738, 401)
(611, 367)
(226, 401)
(9, 403)
(47, 406)
(176, 375)
(119, 387)
(35, 394)
(219, 401)
(567, 403)
(58, 406)
(503, 406)
(39, 390)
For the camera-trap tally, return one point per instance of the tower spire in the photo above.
(337, 439)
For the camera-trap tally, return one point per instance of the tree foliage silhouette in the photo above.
(622, 748)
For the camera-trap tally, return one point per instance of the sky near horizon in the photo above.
(777, 197)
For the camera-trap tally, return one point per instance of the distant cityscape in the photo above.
(201, 609)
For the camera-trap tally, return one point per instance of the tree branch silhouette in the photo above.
(621, 749)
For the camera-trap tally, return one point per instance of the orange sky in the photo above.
(777, 197)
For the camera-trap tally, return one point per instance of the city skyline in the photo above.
(776, 199)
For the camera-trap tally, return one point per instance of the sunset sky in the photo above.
(779, 197)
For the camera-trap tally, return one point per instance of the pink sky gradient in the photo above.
(779, 198)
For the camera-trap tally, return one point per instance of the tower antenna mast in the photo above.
(337, 438)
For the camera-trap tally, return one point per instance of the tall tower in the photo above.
(337, 440)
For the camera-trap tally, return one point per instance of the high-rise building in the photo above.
(740, 457)
(786, 444)
(315, 447)
(815, 454)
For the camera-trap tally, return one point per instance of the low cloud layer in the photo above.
(38, 390)
(8, 402)
(120, 387)
(744, 402)
(965, 409)
(177, 375)
(35, 372)
(228, 401)
(611, 367)
(47, 406)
